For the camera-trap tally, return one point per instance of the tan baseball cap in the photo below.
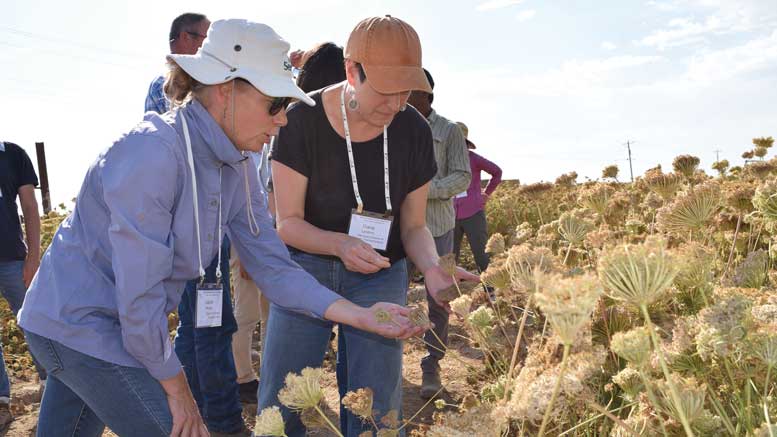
(390, 53)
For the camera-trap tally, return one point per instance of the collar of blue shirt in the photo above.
(203, 125)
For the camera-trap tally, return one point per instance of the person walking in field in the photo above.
(19, 251)
(470, 205)
(453, 176)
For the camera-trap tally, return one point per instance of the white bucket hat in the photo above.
(251, 51)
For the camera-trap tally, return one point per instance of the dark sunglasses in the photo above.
(279, 103)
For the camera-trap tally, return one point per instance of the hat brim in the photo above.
(209, 71)
(392, 80)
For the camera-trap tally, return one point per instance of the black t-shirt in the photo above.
(309, 145)
(15, 171)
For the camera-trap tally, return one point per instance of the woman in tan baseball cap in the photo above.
(351, 176)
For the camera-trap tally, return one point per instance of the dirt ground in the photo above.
(25, 402)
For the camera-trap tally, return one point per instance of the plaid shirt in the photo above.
(453, 174)
(156, 100)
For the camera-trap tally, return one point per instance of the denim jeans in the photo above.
(13, 290)
(206, 354)
(84, 394)
(438, 316)
(295, 341)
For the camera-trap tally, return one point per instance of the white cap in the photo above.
(251, 51)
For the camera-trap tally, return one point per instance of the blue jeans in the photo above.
(13, 290)
(206, 355)
(84, 394)
(295, 341)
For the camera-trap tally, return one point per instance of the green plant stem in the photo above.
(592, 419)
(516, 347)
(653, 399)
(766, 386)
(733, 245)
(556, 389)
(721, 411)
(566, 256)
(672, 389)
(613, 417)
(326, 419)
(498, 314)
(420, 409)
(447, 354)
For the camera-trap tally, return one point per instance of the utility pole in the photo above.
(717, 155)
(631, 168)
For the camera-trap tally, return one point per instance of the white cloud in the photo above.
(526, 15)
(497, 4)
(756, 55)
(590, 78)
(682, 32)
(665, 6)
(609, 45)
(720, 17)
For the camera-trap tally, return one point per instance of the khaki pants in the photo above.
(251, 307)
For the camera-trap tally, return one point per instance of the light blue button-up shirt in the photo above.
(117, 265)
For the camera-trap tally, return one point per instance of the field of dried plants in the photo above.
(620, 309)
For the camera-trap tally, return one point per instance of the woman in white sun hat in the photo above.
(151, 213)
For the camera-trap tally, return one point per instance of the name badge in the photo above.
(461, 195)
(373, 229)
(209, 302)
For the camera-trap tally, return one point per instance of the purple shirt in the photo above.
(469, 205)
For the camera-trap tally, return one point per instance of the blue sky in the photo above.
(546, 87)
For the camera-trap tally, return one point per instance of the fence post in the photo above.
(44, 178)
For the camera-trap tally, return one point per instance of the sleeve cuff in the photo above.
(166, 370)
(326, 299)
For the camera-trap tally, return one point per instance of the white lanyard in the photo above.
(359, 203)
(190, 157)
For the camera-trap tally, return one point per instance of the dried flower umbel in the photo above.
(568, 303)
(633, 346)
(270, 423)
(664, 184)
(637, 274)
(495, 244)
(359, 403)
(765, 200)
(690, 212)
(302, 391)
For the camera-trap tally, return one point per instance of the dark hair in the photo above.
(429, 78)
(324, 67)
(184, 22)
(362, 74)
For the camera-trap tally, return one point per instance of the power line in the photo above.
(72, 56)
(60, 40)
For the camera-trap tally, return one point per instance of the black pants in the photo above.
(437, 315)
(475, 228)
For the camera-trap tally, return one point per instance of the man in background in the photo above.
(18, 261)
(453, 177)
(187, 33)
